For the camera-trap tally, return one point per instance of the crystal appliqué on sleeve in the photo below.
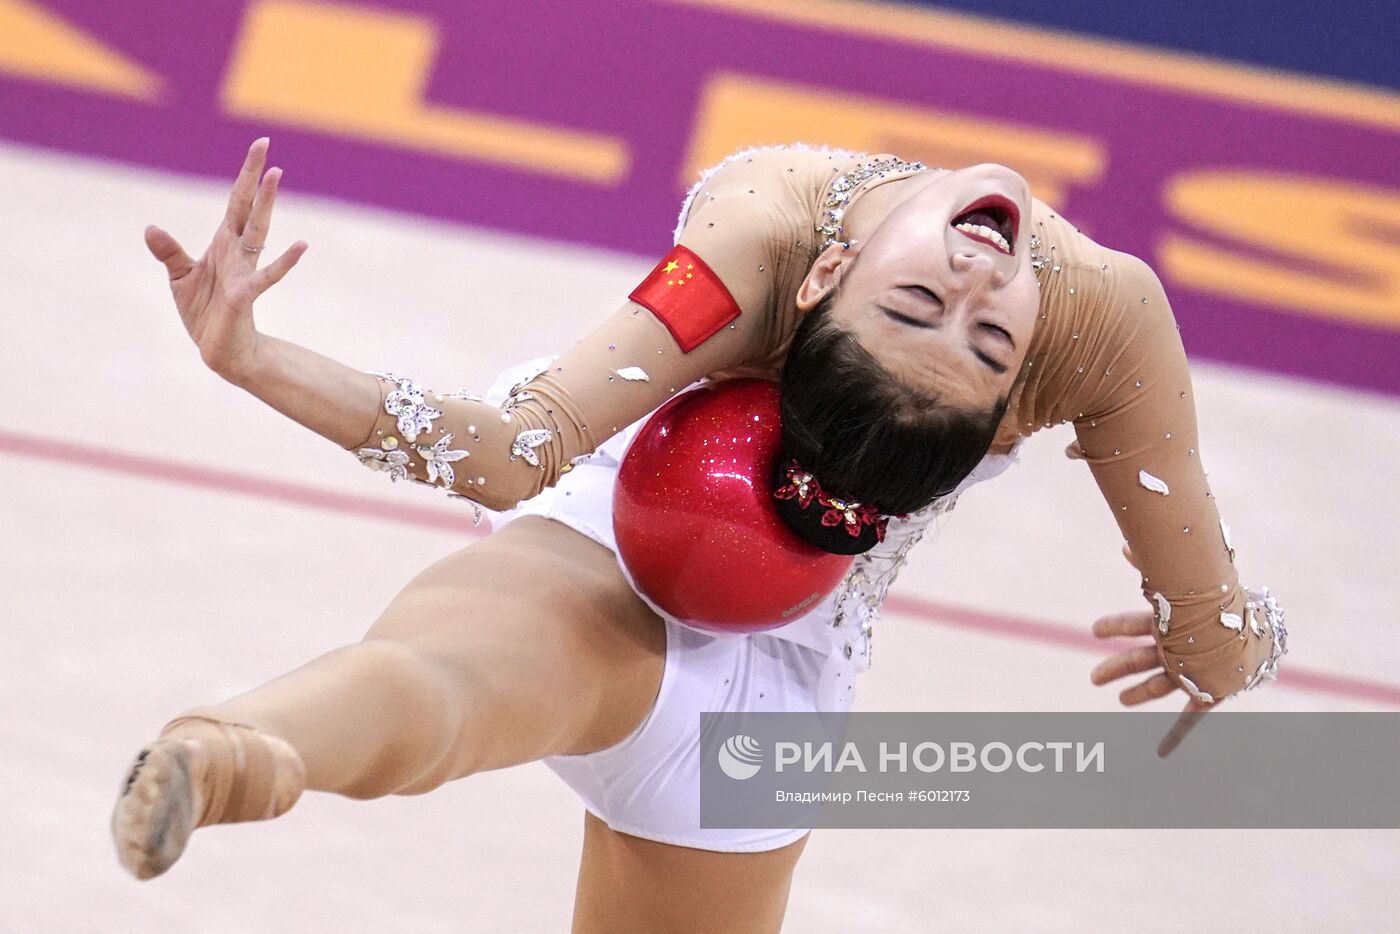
(439, 458)
(526, 442)
(405, 402)
(476, 507)
(394, 463)
(1263, 601)
(1256, 603)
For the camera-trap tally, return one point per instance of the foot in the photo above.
(155, 814)
(200, 772)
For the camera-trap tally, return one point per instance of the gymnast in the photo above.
(921, 323)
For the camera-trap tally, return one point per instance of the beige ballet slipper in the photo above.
(200, 771)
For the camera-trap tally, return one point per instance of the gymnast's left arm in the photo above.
(1214, 637)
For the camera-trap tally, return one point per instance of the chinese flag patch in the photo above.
(687, 297)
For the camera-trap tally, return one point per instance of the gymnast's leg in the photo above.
(626, 883)
(527, 644)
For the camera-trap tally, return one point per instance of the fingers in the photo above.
(1138, 623)
(245, 185)
(273, 273)
(1159, 685)
(164, 248)
(1191, 714)
(1134, 661)
(259, 219)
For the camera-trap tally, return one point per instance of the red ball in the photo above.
(696, 525)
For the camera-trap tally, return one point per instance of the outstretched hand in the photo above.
(1138, 660)
(215, 295)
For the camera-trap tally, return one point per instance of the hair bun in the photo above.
(821, 518)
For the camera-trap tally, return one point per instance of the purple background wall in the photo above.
(636, 70)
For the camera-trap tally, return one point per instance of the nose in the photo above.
(980, 271)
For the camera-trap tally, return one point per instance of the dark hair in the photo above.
(866, 436)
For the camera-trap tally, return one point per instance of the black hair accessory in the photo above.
(838, 525)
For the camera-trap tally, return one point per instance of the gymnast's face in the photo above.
(941, 289)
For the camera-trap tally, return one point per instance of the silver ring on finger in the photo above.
(249, 249)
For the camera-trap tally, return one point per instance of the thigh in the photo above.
(626, 883)
(539, 627)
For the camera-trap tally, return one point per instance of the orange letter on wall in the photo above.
(737, 111)
(35, 43)
(360, 72)
(1314, 245)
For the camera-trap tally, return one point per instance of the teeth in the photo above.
(992, 235)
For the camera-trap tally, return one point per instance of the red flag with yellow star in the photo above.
(687, 297)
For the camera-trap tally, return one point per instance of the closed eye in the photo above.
(998, 329)
(906, 319)
(994, 366)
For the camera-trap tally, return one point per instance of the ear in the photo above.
(824, 275)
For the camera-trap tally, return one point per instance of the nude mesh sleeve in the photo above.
(1138, 435)
(616, 374)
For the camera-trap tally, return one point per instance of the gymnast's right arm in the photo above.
(703, 309)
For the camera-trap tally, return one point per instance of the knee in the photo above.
(427, 710)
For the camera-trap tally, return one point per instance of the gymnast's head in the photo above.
(900, 370)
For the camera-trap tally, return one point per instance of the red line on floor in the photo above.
(980, 621)
(227, 481)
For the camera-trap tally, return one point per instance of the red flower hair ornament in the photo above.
(863, 523)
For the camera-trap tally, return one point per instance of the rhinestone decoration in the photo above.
(518, 393)
(1164, 612)
(394, 463)
(851, 514)
(1273, 614)
(476, 507)
(801, 484)
(464, 394)
(745, 154)
(1254, 625)
(406, 404)
(1225, 534)
(439, 458)
(1232, 621)
(829, 226)
(863, 590)
(525, 443)
(1038, 261)
(634, 373)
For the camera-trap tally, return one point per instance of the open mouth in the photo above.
(992, 220)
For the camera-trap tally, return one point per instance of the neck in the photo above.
(872, 205)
